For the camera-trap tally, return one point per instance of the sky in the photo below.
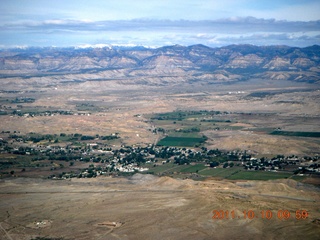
(155, 23)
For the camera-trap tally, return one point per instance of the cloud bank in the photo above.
(236, 30)
(157, 23)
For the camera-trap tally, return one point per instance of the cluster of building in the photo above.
(129, 159)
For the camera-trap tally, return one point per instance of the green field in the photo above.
(296, 134)
(171, 167)
(181, 141)
(159, 168)
(238, 173)
(185, 135)
(258, 175)
(180, 115)
(191, 121)
(220, 172)
(234, 173)
(193, 169)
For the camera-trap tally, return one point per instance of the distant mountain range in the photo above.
(166, 64)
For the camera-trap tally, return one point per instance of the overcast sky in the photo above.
(155, 23)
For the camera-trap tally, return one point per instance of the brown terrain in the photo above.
(148, 207)
(113, 109)
(114, 91)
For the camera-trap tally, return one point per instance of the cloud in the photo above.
(154, 22)
(299, 40)
(221, 25)
(224, 31)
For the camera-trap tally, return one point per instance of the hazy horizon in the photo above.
(74, 23)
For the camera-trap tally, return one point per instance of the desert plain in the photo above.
(128, 104)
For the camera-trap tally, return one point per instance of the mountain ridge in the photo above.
(196, 62)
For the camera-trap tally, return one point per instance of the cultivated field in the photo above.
(263, 118)
(105, 107)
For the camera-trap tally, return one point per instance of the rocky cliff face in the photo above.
(193, 63)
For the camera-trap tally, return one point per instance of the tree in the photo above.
(225, 165)
(214, 164)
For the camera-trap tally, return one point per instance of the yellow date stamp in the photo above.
(260, 214)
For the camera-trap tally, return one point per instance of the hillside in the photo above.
(148, 207)
(169, 64)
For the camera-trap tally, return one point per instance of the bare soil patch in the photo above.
(157, 208)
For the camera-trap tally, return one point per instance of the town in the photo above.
(61, 154)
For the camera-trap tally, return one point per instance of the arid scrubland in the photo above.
(103, 106)
(149, 207)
